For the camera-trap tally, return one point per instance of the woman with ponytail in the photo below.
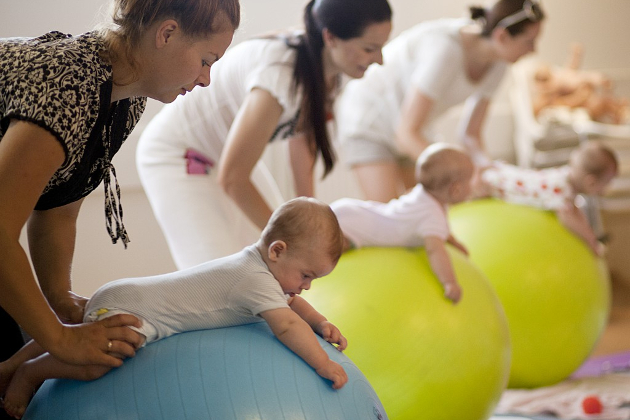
(67, 103)
(199, 158)
(384, 119)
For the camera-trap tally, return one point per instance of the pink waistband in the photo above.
(197, 162)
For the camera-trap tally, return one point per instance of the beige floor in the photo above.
(616, 337)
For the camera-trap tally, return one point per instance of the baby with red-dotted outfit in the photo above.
(591, 168)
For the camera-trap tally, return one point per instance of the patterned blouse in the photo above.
(61, 83)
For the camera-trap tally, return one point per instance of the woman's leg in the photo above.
(380, 181)
(408, 173)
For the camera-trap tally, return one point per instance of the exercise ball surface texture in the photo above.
(554, 290)
(235, 373)
(425, 357)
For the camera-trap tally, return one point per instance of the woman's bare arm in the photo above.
(251, 131)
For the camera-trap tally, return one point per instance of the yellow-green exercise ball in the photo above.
(425, 357)
(555, 292)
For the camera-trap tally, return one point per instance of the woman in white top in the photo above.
(198, 159)
(384, 119)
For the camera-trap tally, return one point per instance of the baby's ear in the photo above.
(276, 249)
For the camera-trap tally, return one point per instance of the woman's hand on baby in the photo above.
(329, 332)
(68, 306)
(103, 342)
(334, 372)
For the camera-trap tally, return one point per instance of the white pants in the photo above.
(199, 221)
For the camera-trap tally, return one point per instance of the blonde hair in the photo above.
(594, 158)
(441, 164)
(305, 222)
(132, 18)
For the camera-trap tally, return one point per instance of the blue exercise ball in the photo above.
(233, 373)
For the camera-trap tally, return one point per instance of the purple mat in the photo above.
(600, 365)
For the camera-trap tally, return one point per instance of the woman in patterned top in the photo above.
(67, 103)
(199, 158)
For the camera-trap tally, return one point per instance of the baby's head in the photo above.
(593, 165)
(301, 242)
(446, 172)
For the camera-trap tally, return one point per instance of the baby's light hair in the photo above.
(594, 158)
(305, 222)
(442, 164)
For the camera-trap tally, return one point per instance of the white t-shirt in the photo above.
(429, 57)
(202, 118)
(403, 221)
(546, 189)
(224, 292)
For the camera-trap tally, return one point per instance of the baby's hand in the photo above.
(329, 332)
(334, 372)
(461, 247)
(599, 249)
(453, 291)
(454, 242)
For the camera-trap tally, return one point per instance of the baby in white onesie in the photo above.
(418, 218)
(301, 242)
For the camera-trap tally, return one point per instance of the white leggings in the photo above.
(199, 221)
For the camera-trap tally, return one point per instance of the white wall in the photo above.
(601, 25)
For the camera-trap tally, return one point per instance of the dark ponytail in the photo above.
(345, 19)
(308, 76)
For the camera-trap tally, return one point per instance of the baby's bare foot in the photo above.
(19, 392)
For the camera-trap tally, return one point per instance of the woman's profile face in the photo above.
(181, 63)
(512, 48)
(353, 56)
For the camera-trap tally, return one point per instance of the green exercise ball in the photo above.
(555, 292)
(425, 357)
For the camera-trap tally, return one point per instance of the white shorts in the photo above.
(360, 151)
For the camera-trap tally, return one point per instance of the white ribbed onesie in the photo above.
(224, 292)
